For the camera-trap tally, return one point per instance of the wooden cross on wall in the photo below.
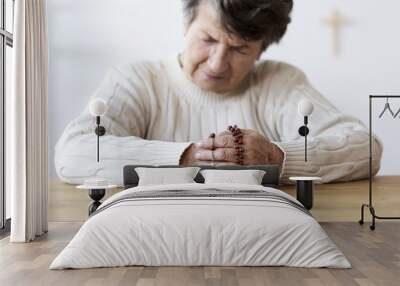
(336, 21)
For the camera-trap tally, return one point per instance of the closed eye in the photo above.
(209, 40)
(240, 50)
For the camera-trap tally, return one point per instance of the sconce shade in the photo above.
(305, 107)
(97, 107)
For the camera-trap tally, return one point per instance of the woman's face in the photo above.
(213, 59)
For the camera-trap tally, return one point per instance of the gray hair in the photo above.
(251, 20)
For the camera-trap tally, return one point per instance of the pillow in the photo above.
(248, 177)
(162, 176)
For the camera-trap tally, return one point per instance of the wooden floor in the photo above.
(375, 255)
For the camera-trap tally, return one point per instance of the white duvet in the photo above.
(200, 231)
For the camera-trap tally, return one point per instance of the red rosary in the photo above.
(238, 140)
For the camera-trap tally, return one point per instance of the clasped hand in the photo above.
(254, 149)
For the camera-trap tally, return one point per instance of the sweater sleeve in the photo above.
(338, 144)
(130, 104)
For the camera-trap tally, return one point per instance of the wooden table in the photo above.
(332, 202)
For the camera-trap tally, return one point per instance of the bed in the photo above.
(197, 224)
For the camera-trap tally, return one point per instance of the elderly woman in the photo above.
(183, 110)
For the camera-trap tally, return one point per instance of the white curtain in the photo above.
(28, 122)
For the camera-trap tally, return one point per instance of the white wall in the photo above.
(87, 37)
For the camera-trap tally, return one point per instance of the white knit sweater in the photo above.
(154, 113)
